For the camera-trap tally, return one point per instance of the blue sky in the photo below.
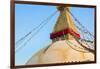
(28, 17)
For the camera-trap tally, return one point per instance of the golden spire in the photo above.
(64, 21)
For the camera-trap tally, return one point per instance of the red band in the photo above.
(63, 32)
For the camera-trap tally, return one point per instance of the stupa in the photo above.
(64, 48)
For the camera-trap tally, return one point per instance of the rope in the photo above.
(80, 23)
(83, 34)
(70, 44)
(82, 44)
(49, 18)
(83, 41)
(92, 51)
(78, 28)
(81, 29)
(21, 39)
